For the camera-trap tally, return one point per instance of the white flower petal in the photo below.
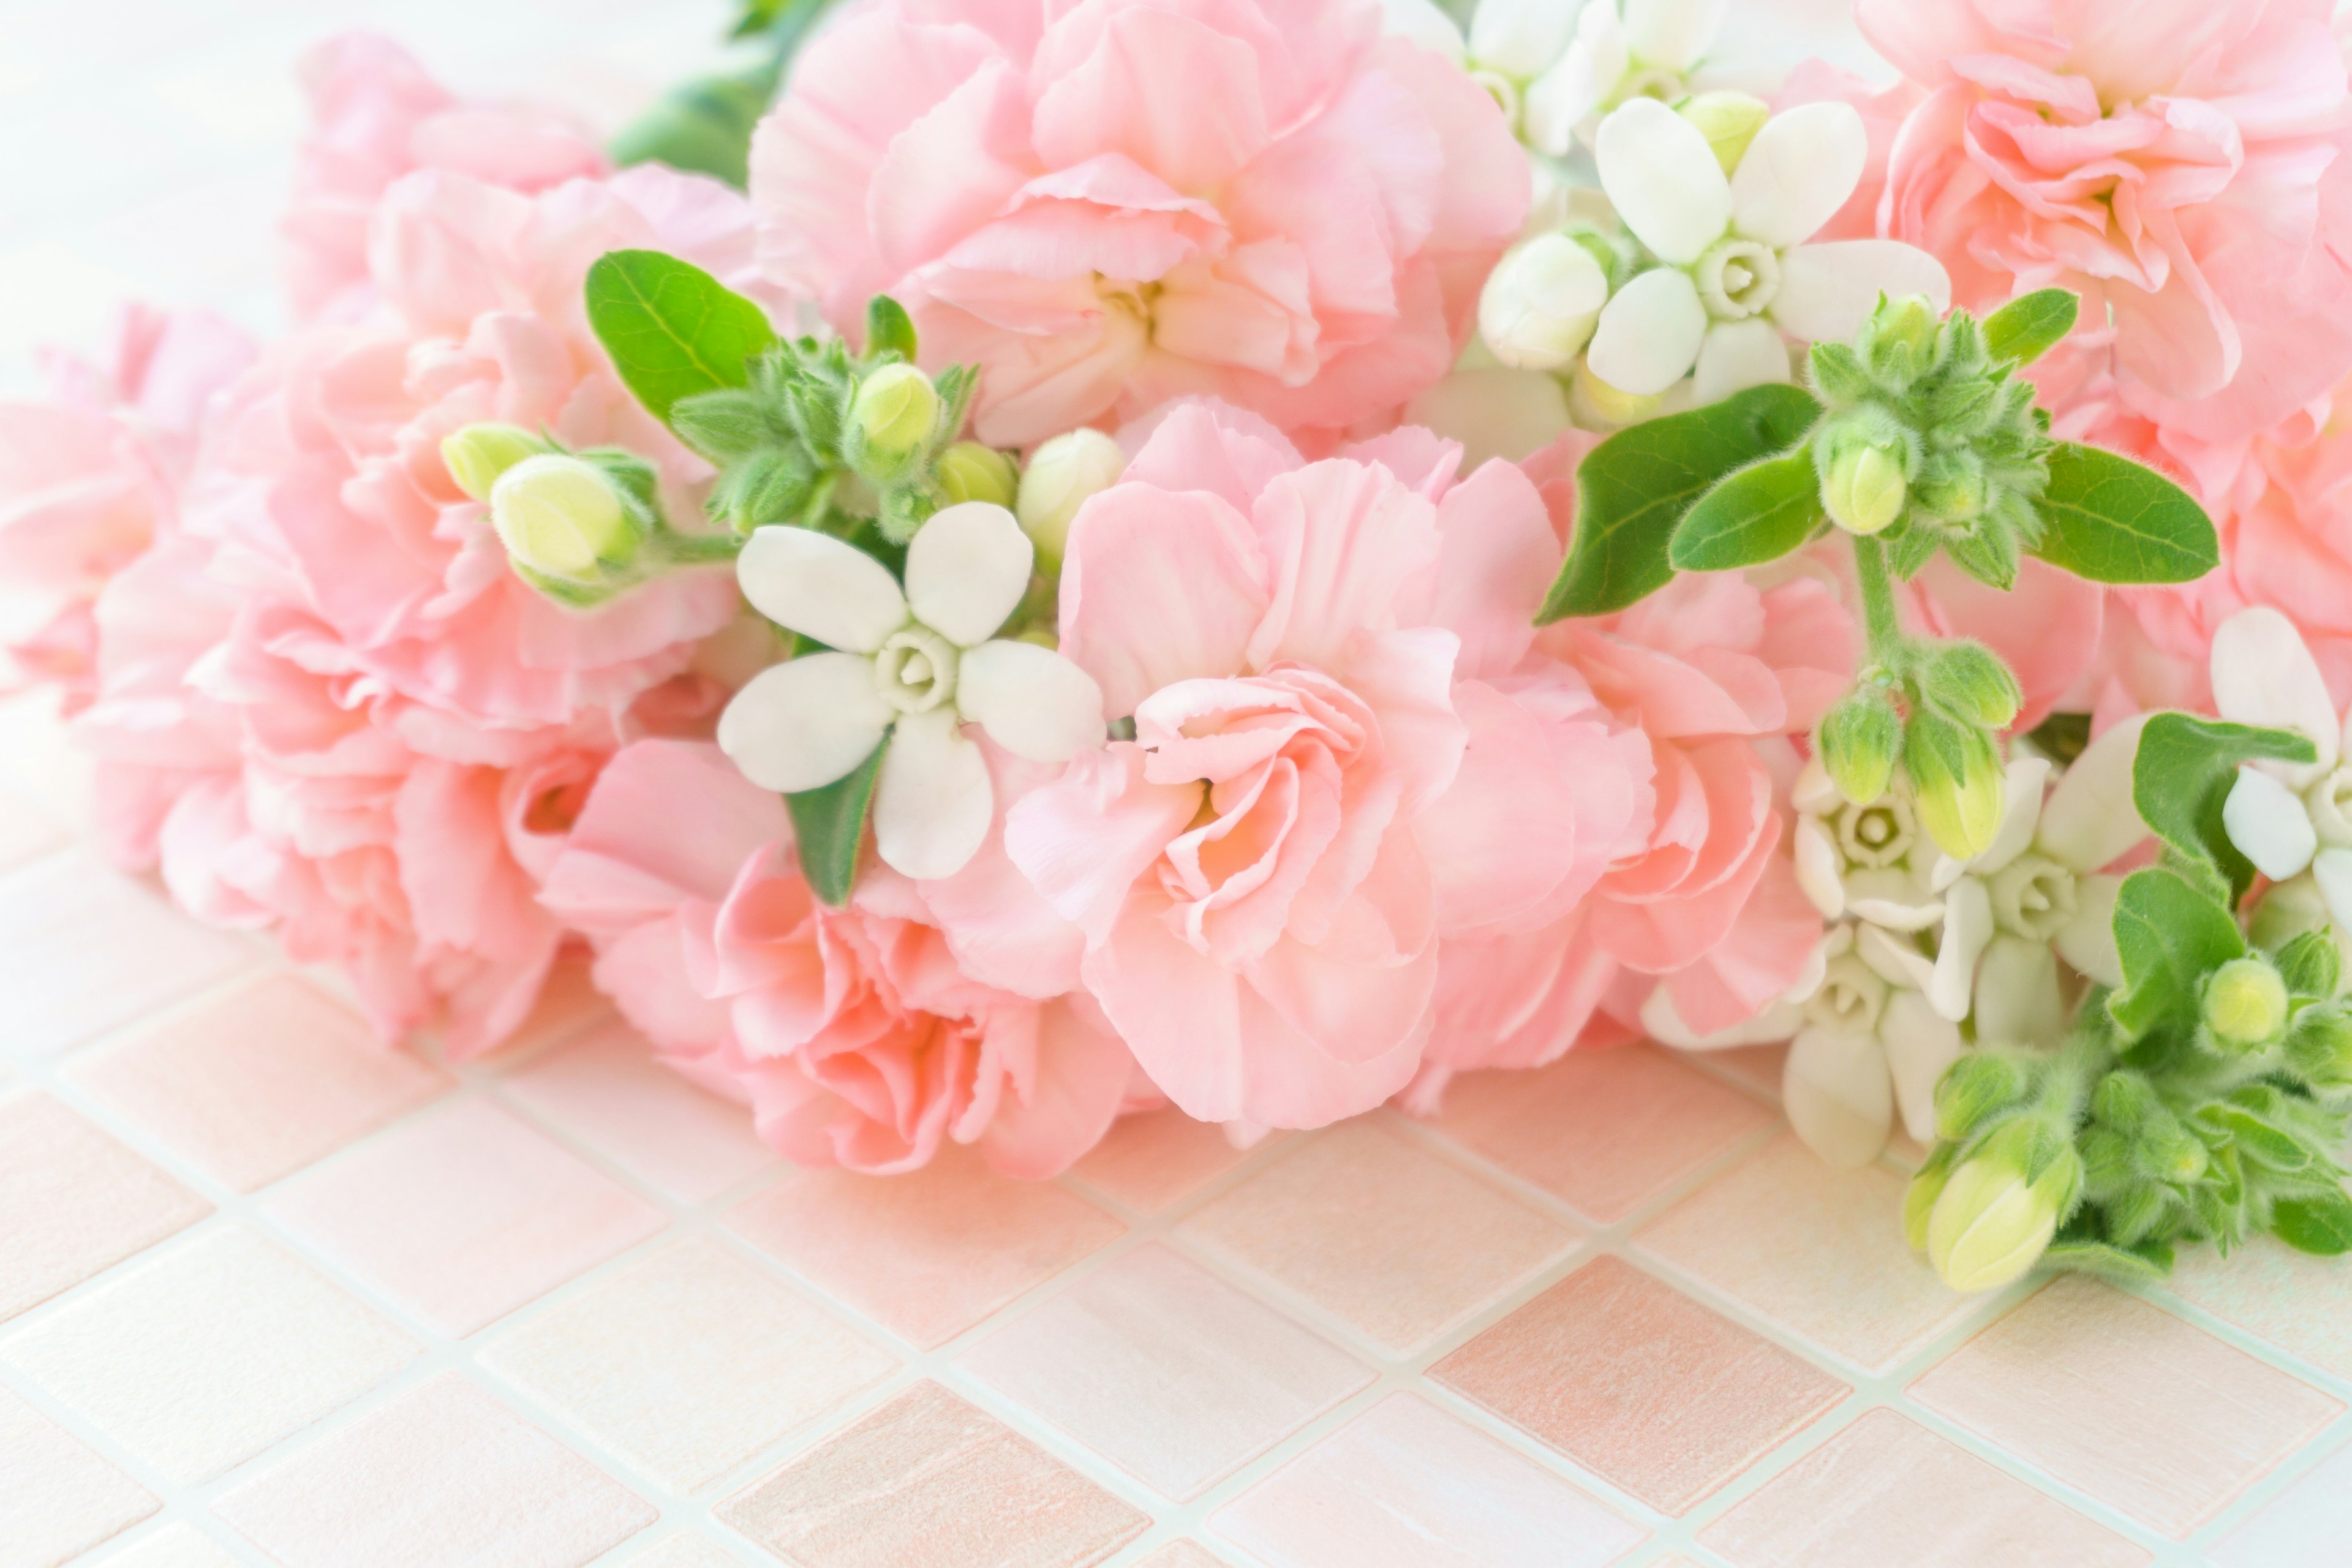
(2089, 818)
(2021, 809)
(2332, 869)
(1827, 290)
(1420, 22)
(1797, 172)
(1032, 701)
(1817, 867)
(1737, 356)
(1968, 929)
(1663, 178)
(2263, 675)
(2088, 939)
(1650, 333)
(1838, 1096)
(806, 723)
(1814, 791)
(933, 803)
(1558, 102)
(1671, 34)
(967, 570)
(1816, 970)
(1919, 1046)
(1946, 871)
(2268, 824)
(1665, 1025)
(1541, 303)
(815, 585)
(1893, 959)
(2017, 999)
(1520, 38)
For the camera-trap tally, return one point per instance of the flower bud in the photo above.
(1865, 491)
(560, 517)
(1598, 404)
(1970, 679)
(1994, 1218)
(2319, 1048)
(894, 411)
(2245, 1005)
(1860, 739)
(1919, 1198)
(1957, 787)
(970, 471)
(1539, 305)
(1729, 122)
(478, 454)
(1063, 476)
(1974, 1088)
(2311, 965)
(1899, 340)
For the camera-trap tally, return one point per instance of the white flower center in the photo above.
(1736, 277)
(1852, 996)
(2033, 896)
(1877, 834)
(915, 670)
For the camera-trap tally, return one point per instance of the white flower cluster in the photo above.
(2293, 820)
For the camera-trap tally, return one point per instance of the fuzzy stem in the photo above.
(671, 548)
(1888, 645)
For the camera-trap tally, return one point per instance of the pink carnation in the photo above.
(860, 1036)
(2175, 163)
(1109, 204)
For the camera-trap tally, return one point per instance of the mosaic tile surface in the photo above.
(271, 1297)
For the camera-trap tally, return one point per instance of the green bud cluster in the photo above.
(1929, 443)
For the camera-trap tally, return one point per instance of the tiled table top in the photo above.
(270, 1295)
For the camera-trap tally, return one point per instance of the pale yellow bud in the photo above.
(1599, 406)
(894, 410)
(970, 471)
(2245, 1003)
(560, 516)
(1063, 476)
(1865, 491)
(1729, 122)
(478, 454)
(1989, 1224)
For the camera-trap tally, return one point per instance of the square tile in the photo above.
(929, 1253)
(177, 1545)
(2125, 1402)
(1151, 1159)
(1887, 1490)
(1758, 1066)
(1405, 1485)
(1639, 1383)
(258, 1083)
(73, 1201)
(1166, 1371)
(687, 1362)
(1382, 1234)
(2309, 1525)
(463, 1218)
(84, 948)
(199, 1358)
(1607, 1130)
(1818, 1251)
(61, 1498)
(2300, 1303)
(927, 1481)
(443, 1474)
(1183, 1554)
(606, 1088)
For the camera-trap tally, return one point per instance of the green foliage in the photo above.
(2181, 777)
(672, 329)
(829, 828)
(703, 126)
(2168, 934)
(1759, 514)
(2027, 327)
(2111, 521)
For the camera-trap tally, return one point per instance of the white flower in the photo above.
(1738, 273)
(2289, 818)
(1647, 53)
(1540, 303)
(912, 667)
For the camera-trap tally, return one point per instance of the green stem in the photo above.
(671, 548)
(1888, 645)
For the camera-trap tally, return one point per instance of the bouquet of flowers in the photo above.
(1259, 554)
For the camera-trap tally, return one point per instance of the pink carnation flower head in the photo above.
(1107, 205)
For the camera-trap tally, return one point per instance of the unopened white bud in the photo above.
(1539, 306)
(1065, 473)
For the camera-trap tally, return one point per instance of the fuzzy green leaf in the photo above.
(888, 329)
(829, 828)
(672, 329)
(2027, 327)
(2142, 1262)
(1759, 514)
(2111, 521)
(1633, 488)
(2181, 778)
(2168, 935)
(2321, 1224)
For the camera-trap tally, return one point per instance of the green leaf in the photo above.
(2168, 935)
(888, 329)
(702, 128)
(829, 826)
(672, 329)
(2027, 327)
(2142, 1262)
(1634, 488)
(1759, 514)
(2181, 778)
(2258, 1140)
(2321, 1224)
(2111, 521)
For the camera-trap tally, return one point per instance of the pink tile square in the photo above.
(1405, 1485)
(1886, 1490)
(927, 1481)
(58, 1498)
(929, 1253)
(1166, 1371)
(2300, 1303)
(1383, 1234)
(463, 1216)
(73, 1201)
(84, 948)
(1149, 1160)
(2309, 1525)
(2107, 1393)
(1607, 1130)
(256, 1084)
(1639, 1383)
(605, 1087)
(1816, 1250)
(443, 1474)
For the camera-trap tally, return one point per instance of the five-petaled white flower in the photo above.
(912, 667)
(1738, 271)
(2288, 818)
